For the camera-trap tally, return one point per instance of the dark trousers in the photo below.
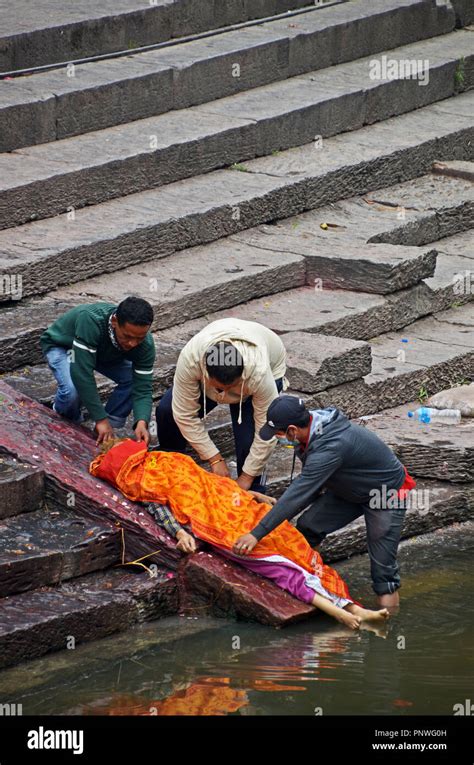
(171, 439)
(330, 512)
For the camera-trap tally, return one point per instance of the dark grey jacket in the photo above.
(344, 457)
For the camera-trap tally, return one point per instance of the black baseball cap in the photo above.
(284, 411)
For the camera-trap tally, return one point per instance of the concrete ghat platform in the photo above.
(64, 452)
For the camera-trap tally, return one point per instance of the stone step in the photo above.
(443, 204)
(189, 283)
(216, 586)
(48, 546)
(21, 487)
(179, 287)
(50, 106)
(360, 315)
(89, 169)
(464, 11)
(314, 363)
(64, 452)
(433, 452)
(403, 366)
(425, 357)
(151, 224)
(48, 33)
(439, 452)
(373, 268)
(87, 608)
(434, 506)
(461, 170)
(453, 281)
(413, 213)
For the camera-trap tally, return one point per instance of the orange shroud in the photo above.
(217, 509)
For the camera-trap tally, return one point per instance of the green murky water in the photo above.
(422, 664)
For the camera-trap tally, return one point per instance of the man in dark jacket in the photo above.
(358, 471)
(115, 341)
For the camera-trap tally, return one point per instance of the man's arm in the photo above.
(142, 381)
(186, 394)
(260, 451)
(316, 471)
(83, 363)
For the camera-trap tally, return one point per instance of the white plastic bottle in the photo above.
(445, 416)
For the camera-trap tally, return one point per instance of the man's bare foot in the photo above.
(350, 620)
(366, 615)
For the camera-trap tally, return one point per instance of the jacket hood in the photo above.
(254, 356)
(236, 332)
(325, 424)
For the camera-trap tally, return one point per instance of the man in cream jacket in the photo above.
(235, 362)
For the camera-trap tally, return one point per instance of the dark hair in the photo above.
(134, 310)
(303, 420)
(224, 362)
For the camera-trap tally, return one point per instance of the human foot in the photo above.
(367, 615)
(352, 621)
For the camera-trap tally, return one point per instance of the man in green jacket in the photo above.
(115, 341)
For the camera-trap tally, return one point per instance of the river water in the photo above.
(421, 664)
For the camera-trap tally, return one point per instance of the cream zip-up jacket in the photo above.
(264, 358)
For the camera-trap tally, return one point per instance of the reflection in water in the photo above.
(423, 666)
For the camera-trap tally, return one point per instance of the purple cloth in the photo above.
(288, 578)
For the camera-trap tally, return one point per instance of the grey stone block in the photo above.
(113, 92)
(152, 224)
(193, 282)
(89, 169)
(440, 452)
(316, 362)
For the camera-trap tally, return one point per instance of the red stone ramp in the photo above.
(212, 585)
(208, 583)
(36, 434)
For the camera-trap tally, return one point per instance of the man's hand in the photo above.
(219, 468)
(186, 541)
(263, 498)
(104, 431)
(141, 432)
(245, 481)
(245, 544)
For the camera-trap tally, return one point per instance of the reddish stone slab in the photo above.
(21, 487)
(63, 451)
(87, 608)
(37, 435)
(50, 546)
(211, 585)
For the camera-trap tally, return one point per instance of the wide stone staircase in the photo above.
(250, 159)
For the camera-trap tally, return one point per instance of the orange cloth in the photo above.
(218, 510)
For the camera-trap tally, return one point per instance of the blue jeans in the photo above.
(171, 439)
(328, 513)
(67, 401)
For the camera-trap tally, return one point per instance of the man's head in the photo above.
(225, 365)
(288, 420)
(131, 322)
